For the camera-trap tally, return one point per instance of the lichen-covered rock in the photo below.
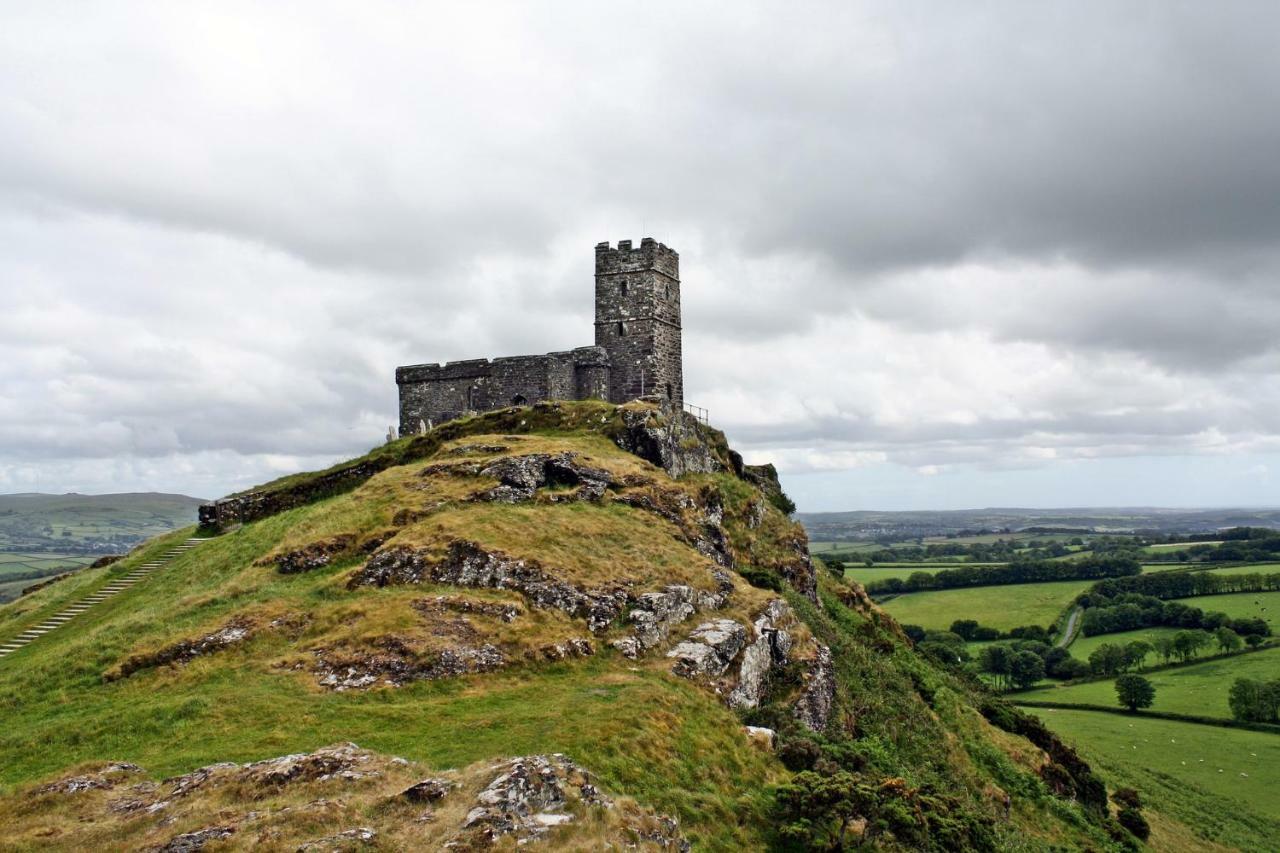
(813, 709)
(709, 650)
(191, 842)
(656, 613)
(768, 650)
(103, 779)
(520, 477)
(468, 564)
(237, 631)
(352, 839)
(396, 665)
(527, 798)
(505, 611)
(672, 440)
(428, 791)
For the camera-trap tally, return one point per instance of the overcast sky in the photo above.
(935, 255)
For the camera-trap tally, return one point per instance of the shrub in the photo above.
(1132, 820)
(1127, 797)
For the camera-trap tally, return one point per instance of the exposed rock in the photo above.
(340, 761)
(672, 440)
(467, 564)
(520, 477)
(799, 571)
(352, 839)
(428, 791)
(443, 603)
(655, 613)
(103, 779)
(574, 648)
(103, 562)
(709, 650)
(399, 665)
(756, 513)
(234, 632)
(527, 798)
(314, 556)
(486, 449)
(191, 842)
(768, 650)
(345, 761)
(813, 709)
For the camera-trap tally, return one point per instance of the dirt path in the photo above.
(1069, 633)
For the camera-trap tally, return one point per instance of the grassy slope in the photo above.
(1175, 766)
(665, 741)
(1199, 689)
(1001, 607)
(1240, 605)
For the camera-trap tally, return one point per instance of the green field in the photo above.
(1252, 569)
(1000, 607)
(83, 523)
(1241, 605)
(1224, 783)
(1199, 689)
(1084, 646)
(864, 575)
(19, 571)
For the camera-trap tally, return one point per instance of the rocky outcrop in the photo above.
(709, 650)
(532, 796)
(503, 610)
(428, 791)
(235, 632)
(520, 477)
(191, 842)
(102, 779)
(672, 440)
(814, 706)
(352, 839)
(769, 650)
(656, 613)
(395, 665)
(736, 660)
(469, 565)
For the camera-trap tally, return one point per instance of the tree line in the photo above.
(1130, 611)
(1183, 584)
(1018, 572)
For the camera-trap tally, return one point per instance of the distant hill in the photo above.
(33, 523)
(874, 524)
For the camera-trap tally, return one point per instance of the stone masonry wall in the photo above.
(637, 352)
(638, 320)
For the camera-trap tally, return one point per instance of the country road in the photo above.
(1070, 630)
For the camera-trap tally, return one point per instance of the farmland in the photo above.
(19, 571)
(1241, 605)
(1223, 782)
(1199, 689)
(1001, 607)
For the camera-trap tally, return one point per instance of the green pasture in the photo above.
(1084, 646)
(1251, 569)
(1000, 607)
(1241, 605)
(1199, 689)
(1223, 783)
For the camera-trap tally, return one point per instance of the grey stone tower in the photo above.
(638, 320)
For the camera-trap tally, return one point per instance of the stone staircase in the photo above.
(117, 585)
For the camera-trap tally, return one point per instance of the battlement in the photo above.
(650, 255)
(637, 352)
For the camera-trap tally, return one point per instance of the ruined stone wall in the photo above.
(433, 393)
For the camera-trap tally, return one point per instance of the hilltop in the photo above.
(575, 622)
(72, 523)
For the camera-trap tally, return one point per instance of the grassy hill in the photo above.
(518, 585)
(89, 524)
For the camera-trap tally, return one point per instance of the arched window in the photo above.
(622, 329)
(519, 400)
(667, 290)
(622, 290)
(669, 392)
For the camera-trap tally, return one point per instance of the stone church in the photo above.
(637, 352)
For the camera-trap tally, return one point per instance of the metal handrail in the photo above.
(703, 415)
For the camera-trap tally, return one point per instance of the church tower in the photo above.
(638, 320)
